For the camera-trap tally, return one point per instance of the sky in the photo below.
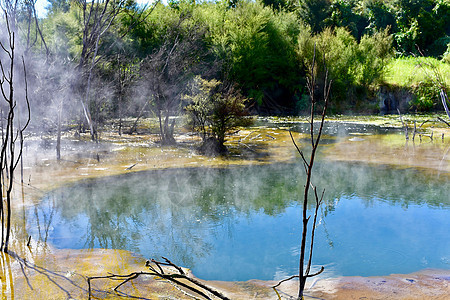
(42, 4)
(40, 8)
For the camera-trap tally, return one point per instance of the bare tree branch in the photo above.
(156, 269)
(299, 151)
(9, 157)
(442, 120)
(311, 85)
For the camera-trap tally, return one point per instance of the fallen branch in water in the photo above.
(247, 136)
(429, 136)
(442, 120)
(297, 276)
(130, 167)
(248, 147)
(156, 269)
(421, 124)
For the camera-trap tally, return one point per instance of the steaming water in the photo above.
(243, 223)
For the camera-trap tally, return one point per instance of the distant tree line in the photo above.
(94, 61)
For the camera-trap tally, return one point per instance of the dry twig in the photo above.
(157, 270)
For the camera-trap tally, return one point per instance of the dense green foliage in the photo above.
(417, 25)
(355, 68)
(143, 62)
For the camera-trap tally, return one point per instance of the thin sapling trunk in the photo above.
(308, 235)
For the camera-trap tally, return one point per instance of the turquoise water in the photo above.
(243, 223)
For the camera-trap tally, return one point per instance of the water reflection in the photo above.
(6, 279)
(243, 222)
(337, 128)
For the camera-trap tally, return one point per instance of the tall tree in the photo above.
(166, 72)
(97, 16)
(420, 23)
(314, 13)
(257, 46)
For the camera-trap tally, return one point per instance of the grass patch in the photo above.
(411, 71)
(422, 76)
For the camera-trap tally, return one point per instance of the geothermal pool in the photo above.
(243, 223)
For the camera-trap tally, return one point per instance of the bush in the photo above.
(354, 67)
(426, 96)
(214, 109)
(446, 55)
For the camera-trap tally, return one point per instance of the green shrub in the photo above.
(215, 109)
(426, 96)
(446, 55)
(374, 52)
(354, 67)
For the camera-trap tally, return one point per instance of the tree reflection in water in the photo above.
(243, 219)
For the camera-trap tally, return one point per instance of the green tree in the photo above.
(279, 4)
(165, 73)
(314, 13)
(200, 104)
(343, 14)
(62, 31)
(355, 67)
(373, 53)
(378, 14)
(55, 6)
(420, 23)
(362, 16)
(215, 109)
(257, 48)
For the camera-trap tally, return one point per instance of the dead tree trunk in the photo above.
(140, 114)
(58, 133)
(444, 99)
(12, 142)
(308, 163)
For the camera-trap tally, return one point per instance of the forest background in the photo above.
(90, 62)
